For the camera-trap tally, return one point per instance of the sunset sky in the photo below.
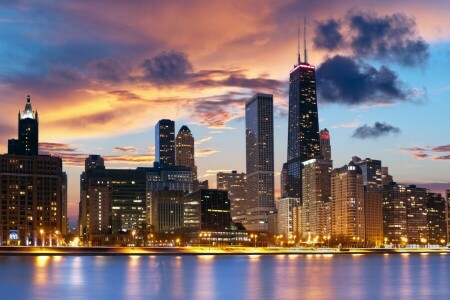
(102, 73)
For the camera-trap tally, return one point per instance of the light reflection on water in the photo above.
(226, 277)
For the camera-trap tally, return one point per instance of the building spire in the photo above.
(304, 37)
(298, 41)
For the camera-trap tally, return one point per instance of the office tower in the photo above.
(436, 219)
(31, 199)
(165, 142)
(166, 210)
(316, 181)
(172, 178)
(416, 212)
(28, 133)
(325, 145)
(283, 181)
(198, 185)
(31, 206)
(260, 156)
(285, 217)
(372, 175)
(394, 214)
(235, 184)
(65, 219)
(447, 193)
(347, 205)
(303, 128)
(206, 210)
(185, 150)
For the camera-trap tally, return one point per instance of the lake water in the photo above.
(375, 276)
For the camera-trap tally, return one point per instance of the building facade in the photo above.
(436, 219)
(165, 142)
(303, 128)
(28, 133)
(185, 151)
(31, 200)
(260, 161)
(347, 206)
(236, 185)
(285, 217)
(316, 190)
(325, 144)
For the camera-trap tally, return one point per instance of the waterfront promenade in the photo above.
(118, 251)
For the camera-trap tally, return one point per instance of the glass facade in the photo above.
(165, 142)
(303, 128)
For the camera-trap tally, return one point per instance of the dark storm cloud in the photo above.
(345, 80)
(387, 38)
(109, 69)
(327, 35)
(167, 67)
(375, 131)
(445, 157)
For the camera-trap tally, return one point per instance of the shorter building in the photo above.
(347, 206)
(206, 210)
(285, 218)
(236, 185)
(394, 214)
(31, 201)
(436, 219)
(165, 210)
(373, 218)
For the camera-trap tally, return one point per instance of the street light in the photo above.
(254, 236)
(133, 233)
(42, 237)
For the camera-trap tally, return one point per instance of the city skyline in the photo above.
(137, 81)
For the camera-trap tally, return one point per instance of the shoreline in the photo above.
(177, 251)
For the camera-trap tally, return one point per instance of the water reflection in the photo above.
(227, 277)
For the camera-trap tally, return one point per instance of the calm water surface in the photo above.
(227, 277)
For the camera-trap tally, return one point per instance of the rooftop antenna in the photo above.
(304, 36)
(298, 40)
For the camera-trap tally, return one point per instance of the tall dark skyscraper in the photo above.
(303, 128)
(325, 145)
(28, 137)
(165, 142)
(260, 156)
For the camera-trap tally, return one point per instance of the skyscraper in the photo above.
(236, 185)
(303, 128)
(165, 142)
(325, 145)
(347, 205)
(372, 175)
(316, 196)
(394, 214)
(185, 150)
(260, 156)
(32, 207)
(436, 219)
(28, 133)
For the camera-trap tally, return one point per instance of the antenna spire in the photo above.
(298, 40)
(304, 37)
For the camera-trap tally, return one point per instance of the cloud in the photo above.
(109, 69)
(167, 67)
(444, 157)
(391, 38)
(327, 35)
(46, 148)
(375, 131)
(344, 80)
(205, 152)
(126, 149)
(347, 125)
(203, 140)
(427, 151)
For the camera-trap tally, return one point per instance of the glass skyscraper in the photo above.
(260, 156)
(165, 142)
(303, 129)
